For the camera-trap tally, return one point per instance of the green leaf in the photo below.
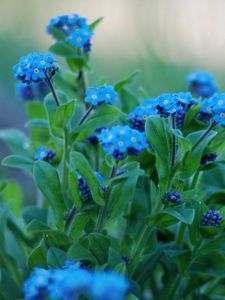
(9, 289)
(63, 49)
(79, 162)
(99, 246)
(37, 123)
(3, 185)
(74, 189)
(104, 115)
(15, 139)
(57, 33)
(128, 80)
(169, 216)
(14, 197)
(56, 257)
(18, 161)
(79, 253)
(47, 180)
(160, 139)
(51, 109)
(38, 256)
(64, 113)
(192, 159)
(94, 24)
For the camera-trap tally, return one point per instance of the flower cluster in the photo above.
(201, 84)
(44, 154)
(35, 67)
(120, 140)
(74, 28)
(214, 107)
(139, 115)
(208, 157)
(29, 92)
(97, 95)
(173, 197)
(72, 282)
(84, 189)
(212, 218)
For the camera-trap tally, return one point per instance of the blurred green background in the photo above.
(164, 39)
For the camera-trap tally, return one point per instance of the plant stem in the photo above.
(173, 288)
(141, 242)
(103, 210)
(86, 115)
(50, 85)
(173, 141)
(195, 180)
(65, 161)
(70, 216)
(180, 234)
(83, 80)
(213, 124)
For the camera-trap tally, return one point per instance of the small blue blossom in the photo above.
(84, 189)
(208, 157)
(201, 84)
(29, 92)
(24, 91)
(121, 140)
(173, 197)
(35, 67)
(42, 153)
(108, 286)
(72, 282)
(67, 24)
(139, 115)
(97, 95)
(36, 286)
(211, 218)
(80, 37)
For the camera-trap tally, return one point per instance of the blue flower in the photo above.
(211, 218)
(74, 28)
(80, 37)
(42, 153)
(121, 140)
(101, 94)
(208, 157)
(139, 115)
(173, 197)
(67, 24)
(219, 115)
(35, 67)
(29, 92)
(24, 91)
(108, 286)
(69, 283)
(201, 84)
(84, 189)
(35, 287)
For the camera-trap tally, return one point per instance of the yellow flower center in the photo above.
(120, 144)
(36, 71)
(133, 139)
(145, 117)
(79, 39)
(222, 115)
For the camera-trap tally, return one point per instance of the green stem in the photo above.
(213, 124)
(70, 216)
(65, 161)
(86, 115)
(83, 81)
(50, 85)
(103, 210)
(139, 246)
(173, 288)
(180, 234)
(195, 180)
(173, 141)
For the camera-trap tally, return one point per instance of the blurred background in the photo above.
(164, 39)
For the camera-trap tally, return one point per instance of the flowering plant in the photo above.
(129, 190)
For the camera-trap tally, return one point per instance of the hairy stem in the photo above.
(86, 115)
(173, 141)
(65, 161)
(50, 85)
(213, 124)
(103, 210)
